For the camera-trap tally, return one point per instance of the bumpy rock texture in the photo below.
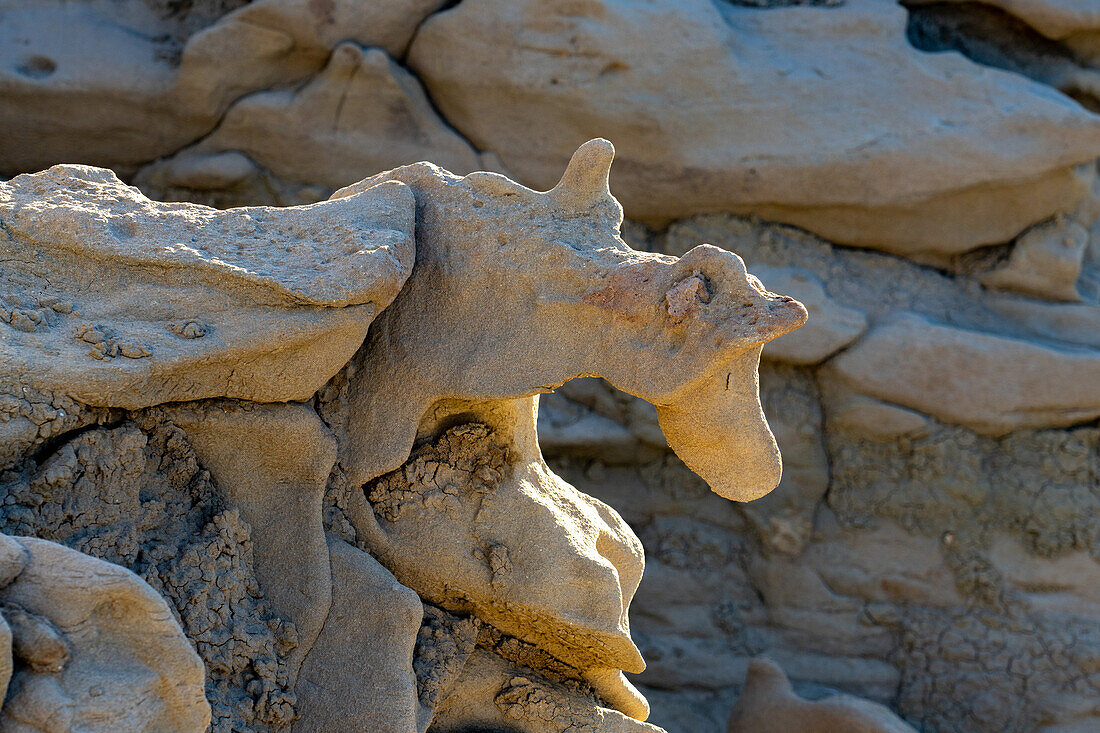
(933, 544)
(86, 645)
(299, 535)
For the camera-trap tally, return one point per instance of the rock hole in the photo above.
(37, 67)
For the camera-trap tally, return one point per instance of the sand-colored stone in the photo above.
(989, 383)
(269, 42)
(473, 520)
(829, 328)
(87, 82)
(118, 301)
(1057, 19)
(99, 650)
(866, 417)
(360, 114)
(769, 703)
(1045, 262)
(359, 674)
(615, 314)
(493, 694)
(272, 463)
(116, 83)
(823, 117)
(421, 449)
(903, 558)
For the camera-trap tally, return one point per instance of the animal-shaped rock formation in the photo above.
(313, 430)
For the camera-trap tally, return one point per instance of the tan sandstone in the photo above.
(98, 648)
(779, 113)
(991, 384)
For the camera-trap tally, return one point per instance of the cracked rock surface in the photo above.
(932, 543)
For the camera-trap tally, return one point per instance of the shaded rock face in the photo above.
(135, 495)
(873, 144)
(768, 702)
(931, 546)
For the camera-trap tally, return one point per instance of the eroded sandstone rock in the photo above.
(769, 703)
(96, 648)
(1075, 23)
(360, 114)
(991, 384)
(207, 468)
(829, 328)
(87, 82)
(139, 303)
(1045, 262)
(905, 154)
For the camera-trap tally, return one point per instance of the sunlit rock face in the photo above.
(343, 398)
(250, 410)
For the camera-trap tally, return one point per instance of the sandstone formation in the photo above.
(180, 352)
(1075, 23)
(769, 703)
(831, 326)
(946, 372)
(1054, 42)
(160, 303)
(1046, 261)
(823, 117)
(85, 82)
(932, 544)
(360, 114)
(86, 645)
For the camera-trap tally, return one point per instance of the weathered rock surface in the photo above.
(769, 703)
(218, 473)
(272, 463)
(903, 559)
(907, 153)
(829, 328)
(135, 495)
(1074, 22)
(987, 34)
(990, 384)
(117, 301)
(360, 114)
(494, 694)
(87, 82)
(865, 557)
(700, 315)
(472, 520)
(473, 529)
(97, 648)
(359, 674)
(1045, 262)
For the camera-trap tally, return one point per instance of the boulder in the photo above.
(768, 703)
(89, 82)
(823, 117)
(115, 83)
(99, 650)
(118, 301)
(1045, 262)
(988, 383)
(360, 114)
